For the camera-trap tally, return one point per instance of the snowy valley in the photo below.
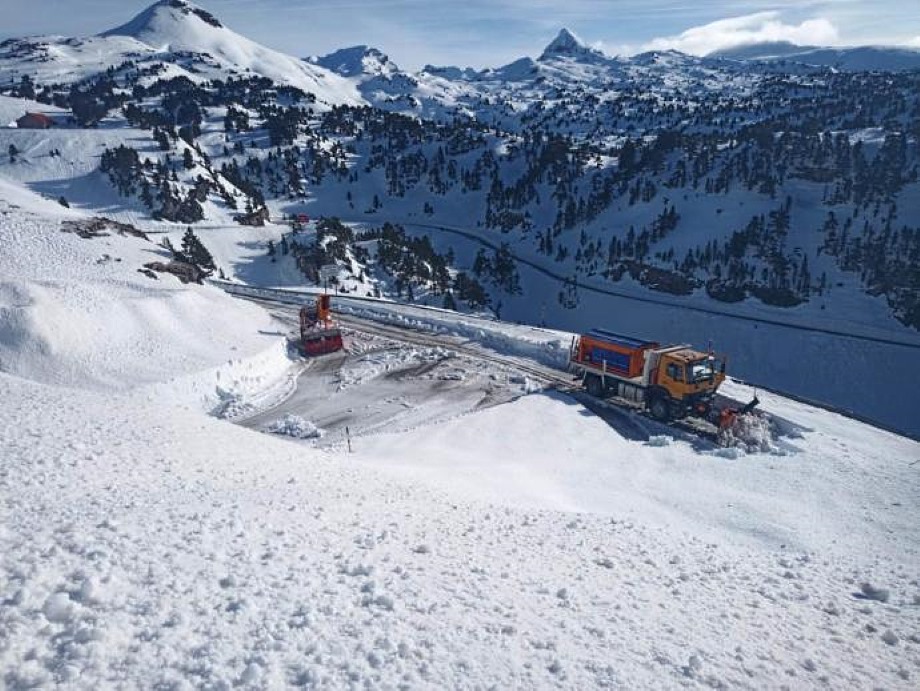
(189, 503)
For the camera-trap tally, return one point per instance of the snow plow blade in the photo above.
(321, 342)
(753, 403)
(726, 417)
(743, 427)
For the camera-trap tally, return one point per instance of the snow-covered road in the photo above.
(389, 380)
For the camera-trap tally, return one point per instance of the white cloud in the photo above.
(752, 28)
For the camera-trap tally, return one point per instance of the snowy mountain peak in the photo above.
(167, 19)
(357, 60)
(568, 45)
(672, 59)
(172, 27)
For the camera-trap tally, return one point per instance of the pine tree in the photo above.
(196, 253)
(168, 246)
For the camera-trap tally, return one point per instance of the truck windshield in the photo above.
(702, 370)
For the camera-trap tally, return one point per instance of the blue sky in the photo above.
(481, 33)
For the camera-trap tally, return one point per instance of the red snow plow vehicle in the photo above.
(319, 334)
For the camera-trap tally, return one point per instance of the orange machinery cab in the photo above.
(689, 374)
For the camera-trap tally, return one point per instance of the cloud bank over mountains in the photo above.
(760, 27)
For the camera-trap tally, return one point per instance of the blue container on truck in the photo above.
(618, 354)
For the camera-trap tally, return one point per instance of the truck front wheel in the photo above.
(660, 409)
(594, 386)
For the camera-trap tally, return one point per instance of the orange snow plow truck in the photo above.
(671, 382)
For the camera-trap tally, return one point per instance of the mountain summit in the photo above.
(357, 60)
(568, 45)
(168, 19)
(178, 26)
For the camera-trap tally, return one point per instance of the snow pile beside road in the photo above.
(545, 346)
(752, 432)
(295, 426)
(237, 387)
(543, 451)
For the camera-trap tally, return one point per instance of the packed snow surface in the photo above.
(142, 545)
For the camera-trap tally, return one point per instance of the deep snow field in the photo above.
(146, 543)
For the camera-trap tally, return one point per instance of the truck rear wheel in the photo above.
(594, 385)
(660, 409)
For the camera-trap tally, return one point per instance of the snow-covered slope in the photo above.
(177, 25)
(11, 109)
(77, 312)
(238, 559)
(59, 59)
(682, 185)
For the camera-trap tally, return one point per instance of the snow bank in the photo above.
(752, 432)
(295, 426)
(546, 451)
(237, 387)
(545, 346)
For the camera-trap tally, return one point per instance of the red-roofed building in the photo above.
(34, 121)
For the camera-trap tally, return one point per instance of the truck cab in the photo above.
(684, 380)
